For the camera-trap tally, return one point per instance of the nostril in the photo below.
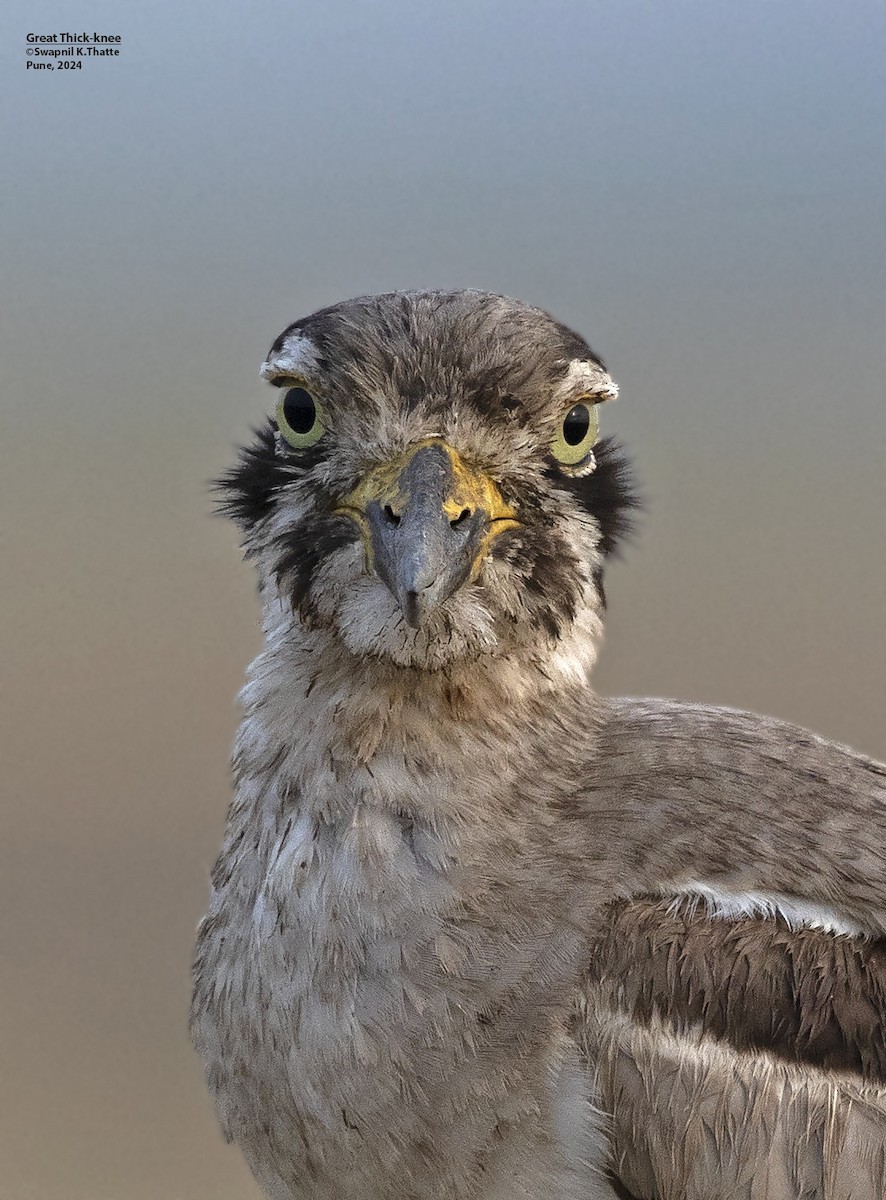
(391, 517)
(461, 518)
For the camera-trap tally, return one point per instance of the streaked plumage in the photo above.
(741, 1057)
(456, 889)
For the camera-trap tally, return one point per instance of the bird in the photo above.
(476, 930)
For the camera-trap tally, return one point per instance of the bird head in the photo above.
(431, 487)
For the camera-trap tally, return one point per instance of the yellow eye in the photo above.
(576, 434)
(299, 418)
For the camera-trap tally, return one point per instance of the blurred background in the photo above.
(697, 187)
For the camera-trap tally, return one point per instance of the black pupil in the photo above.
(299, 410)
(576, 424)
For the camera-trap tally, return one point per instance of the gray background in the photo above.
(697, 187)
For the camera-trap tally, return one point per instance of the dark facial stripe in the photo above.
(607, 493)
(552, 586)
(544, 562)
(302, 549)
(248, 491)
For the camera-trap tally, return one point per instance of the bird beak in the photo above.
(427, 521)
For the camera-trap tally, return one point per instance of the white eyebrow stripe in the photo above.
(720, 903)
(297, 356)
(585, 376)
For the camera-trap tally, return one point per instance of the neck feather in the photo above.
(348, 730)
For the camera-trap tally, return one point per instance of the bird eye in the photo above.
(298, 417)
(576, 434)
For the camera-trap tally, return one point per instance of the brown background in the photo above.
(696, 188)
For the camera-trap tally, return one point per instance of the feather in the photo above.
(738, 1056)
(461, 899)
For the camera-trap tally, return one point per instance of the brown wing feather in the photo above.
(738, 1058)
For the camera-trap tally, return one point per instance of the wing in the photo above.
(739, 1037)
